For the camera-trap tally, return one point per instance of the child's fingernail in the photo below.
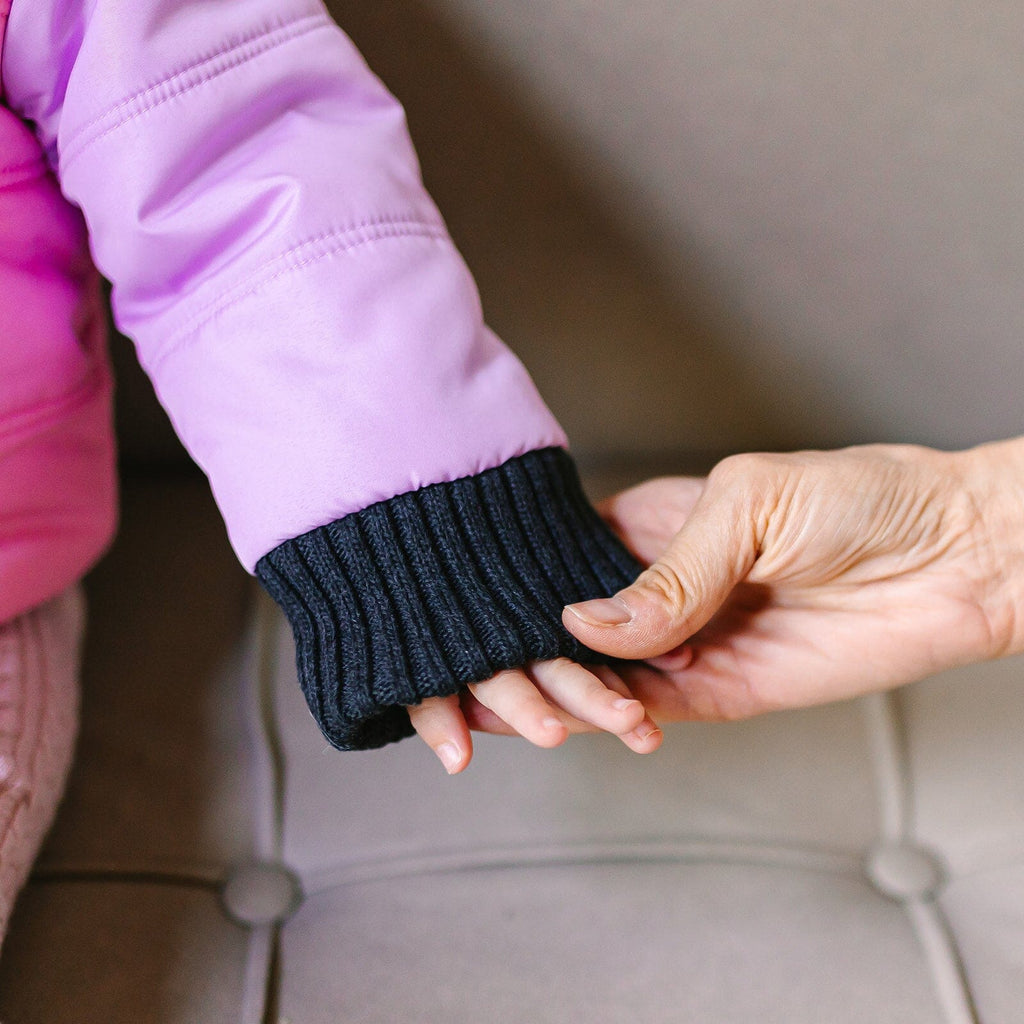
(625, 704)
(605, 611)
(551, 724)
(450, 756)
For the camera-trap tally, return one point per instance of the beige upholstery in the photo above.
(705, 227)
(862, 862)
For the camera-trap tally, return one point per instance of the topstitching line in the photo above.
(194, 75)
(324, 246)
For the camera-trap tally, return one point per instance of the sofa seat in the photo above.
(215, 862)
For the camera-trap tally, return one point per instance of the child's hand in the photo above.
(543, 703)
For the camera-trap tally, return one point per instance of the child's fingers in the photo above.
(512, 696)
(441, 725)
(481, 719)
(585, 696)
(647, 736)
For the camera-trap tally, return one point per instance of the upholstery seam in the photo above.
(694, 849)
(201, 72)
(326, 245)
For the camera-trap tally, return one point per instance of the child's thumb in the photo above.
(679, 593)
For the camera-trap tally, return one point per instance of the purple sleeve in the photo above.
(251, 191)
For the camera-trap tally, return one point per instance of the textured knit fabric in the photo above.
(38, 717)
(422, 594)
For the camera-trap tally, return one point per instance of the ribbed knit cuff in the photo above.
(419, 595)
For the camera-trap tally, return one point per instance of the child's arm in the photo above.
(382, 462)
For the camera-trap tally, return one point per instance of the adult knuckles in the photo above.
(746, 467)
(663, 582)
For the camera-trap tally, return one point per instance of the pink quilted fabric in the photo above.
(58, 491)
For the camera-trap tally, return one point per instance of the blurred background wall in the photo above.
(713, 225)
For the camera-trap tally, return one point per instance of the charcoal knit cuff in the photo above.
(419, 595)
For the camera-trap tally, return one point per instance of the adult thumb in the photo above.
(675, 596)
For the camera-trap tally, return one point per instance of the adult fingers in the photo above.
(713, 551)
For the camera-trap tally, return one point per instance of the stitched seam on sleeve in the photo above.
(312, 250)
(200, 72)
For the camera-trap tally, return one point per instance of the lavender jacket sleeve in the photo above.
(381, 460)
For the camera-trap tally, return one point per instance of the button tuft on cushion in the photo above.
(261, 893)
(904, 871)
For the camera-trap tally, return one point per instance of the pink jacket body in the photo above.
(249, 188)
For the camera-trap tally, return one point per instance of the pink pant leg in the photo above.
(39, 658)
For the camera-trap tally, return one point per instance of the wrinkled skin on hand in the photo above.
(784, 581)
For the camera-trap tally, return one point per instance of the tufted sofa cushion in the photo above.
(215, 862)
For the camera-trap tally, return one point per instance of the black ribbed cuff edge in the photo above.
(424, 593)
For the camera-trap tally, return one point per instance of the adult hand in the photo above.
(790, 580)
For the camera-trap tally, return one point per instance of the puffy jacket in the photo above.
(382, 462)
